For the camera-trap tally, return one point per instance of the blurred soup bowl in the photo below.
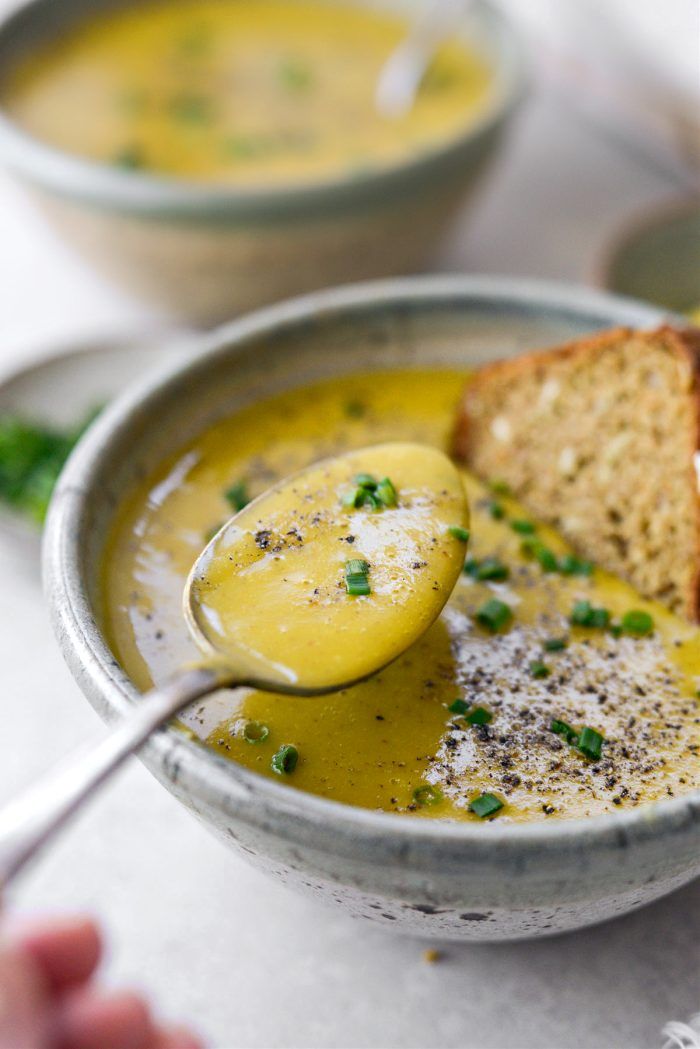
(431, 878)
(206, 252)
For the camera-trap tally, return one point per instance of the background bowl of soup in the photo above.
(429, 876)
(220, 155)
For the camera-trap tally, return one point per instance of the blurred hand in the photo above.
(48, 999)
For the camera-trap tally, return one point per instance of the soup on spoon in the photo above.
(320, 582)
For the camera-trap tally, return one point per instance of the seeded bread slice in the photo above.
(601, 438)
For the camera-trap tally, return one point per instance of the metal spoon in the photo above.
(28, 822)
(402, 73)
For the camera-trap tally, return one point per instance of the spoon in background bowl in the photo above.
(402, 73)
(320, 582)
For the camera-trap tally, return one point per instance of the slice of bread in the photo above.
(601, 438)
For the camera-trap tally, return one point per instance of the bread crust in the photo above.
(684, 344)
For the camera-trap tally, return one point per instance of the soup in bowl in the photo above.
(232, 153)
(478, 788)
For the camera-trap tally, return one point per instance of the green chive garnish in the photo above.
(562, 729)
(479, 716)
(355, 409)
(555, 644)
(523, 527)
(539, 669)
(500, 488)
(590, 743)
(584, 614)
(496, 510)
(494, 615)
(427, 795)
(546, 557)
(485, 805)
(237, 495)
(490, 570)
(636, 622)
(386, 493)
(284, 761)
(459, 533)
(570, 565)
(356, 577)
(366, 481)
(458, 707)
(255, 732)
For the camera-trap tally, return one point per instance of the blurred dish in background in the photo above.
(656, 257)
(286, 178)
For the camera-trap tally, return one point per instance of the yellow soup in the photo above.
(470, 708)
(234, 91)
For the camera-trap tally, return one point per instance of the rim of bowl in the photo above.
(642, 220)
(72, 176)
(222, 784)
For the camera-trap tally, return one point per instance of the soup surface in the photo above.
(238, 91)
(503, 696)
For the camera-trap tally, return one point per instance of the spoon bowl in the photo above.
(314, 586)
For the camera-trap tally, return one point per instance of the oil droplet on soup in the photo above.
(234, 92)
(493, 700)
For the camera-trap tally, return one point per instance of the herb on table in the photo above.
(479, 716)
(284, 760)
(31, 458)
(458, 707)
(562, 729)
(523, 527)
(368, 491)
(494, 615)
(570, 565)
(357, 577)
(590, 743)
(485, 805)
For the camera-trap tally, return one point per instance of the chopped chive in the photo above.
(237, 495)
(523, 527)
(590, 743)
(496, 510)
(562, 729)
(500, 487)
(386, 493)
(459, 533)
(637, 622)
(616, 630)
(356, 581)
(458, 707)
(584, 614)
(294, 74)
(255, 732)
(479, 716)
(131, 158)
(491, 570)
(284, 761)
(355, 409)
(494, 615)
(538, 669)
(427, 795)
(485, 805)
(555, 644)
(570, 565)
(366, 481)
(542, 554)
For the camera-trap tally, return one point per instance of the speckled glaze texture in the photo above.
(430, 878)
(205, 253)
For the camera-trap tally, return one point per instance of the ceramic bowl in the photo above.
(656, 257)
(205, 253)
(435, 879)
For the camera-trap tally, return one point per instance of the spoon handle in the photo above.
(29, 821)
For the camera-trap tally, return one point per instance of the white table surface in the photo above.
(216, 943)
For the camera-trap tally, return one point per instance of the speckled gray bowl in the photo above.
(478, 882)
(206, 253)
